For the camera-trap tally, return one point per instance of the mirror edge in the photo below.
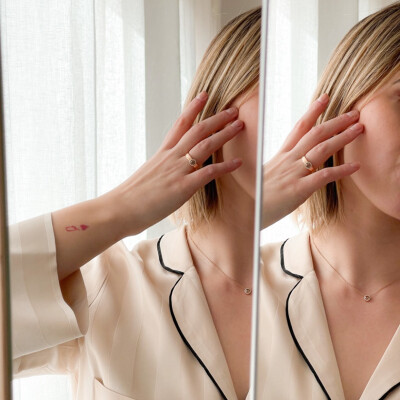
(258, 201)
(5, 308)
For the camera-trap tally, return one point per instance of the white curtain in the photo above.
(301, 38)
(90, 90)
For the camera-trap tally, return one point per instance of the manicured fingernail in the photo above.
(323, 99)
(353, 114)
(232, 110)
(357, 127)
(237, 161)
(202, 96)
(238, 124)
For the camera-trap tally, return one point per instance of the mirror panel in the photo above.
(301, 39)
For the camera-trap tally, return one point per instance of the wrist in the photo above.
(120, 211)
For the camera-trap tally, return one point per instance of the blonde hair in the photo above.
(366, 58)
(229, 68)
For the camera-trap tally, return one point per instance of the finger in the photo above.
(203, 150)
(206, 128)
(319, 179)
(306, 122)
(185, 120)
(213, 171)
(322, 151)
(325, 131)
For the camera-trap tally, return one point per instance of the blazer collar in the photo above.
(308, 326)
(190, 312)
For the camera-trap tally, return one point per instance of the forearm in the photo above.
(83, 231)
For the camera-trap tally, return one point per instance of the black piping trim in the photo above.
(389, 391)
(290, 324)
(160, 257)
(298, 345)
(294, 337)
(188, 344)
(283, 263)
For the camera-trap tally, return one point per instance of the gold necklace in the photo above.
(246, 290)
(366, 297)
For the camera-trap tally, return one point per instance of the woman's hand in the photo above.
(158, 188)
(287, 181)
(167, 180)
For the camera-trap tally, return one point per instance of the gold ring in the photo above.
(192, 161)
(307, 164)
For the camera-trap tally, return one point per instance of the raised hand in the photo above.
(168, 179)
(287, 180)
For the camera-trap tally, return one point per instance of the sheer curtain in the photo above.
(90, 90)
(301, 37)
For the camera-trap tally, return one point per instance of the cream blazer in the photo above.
(136, 324)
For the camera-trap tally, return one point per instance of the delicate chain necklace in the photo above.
(366, 297)
(245, 289)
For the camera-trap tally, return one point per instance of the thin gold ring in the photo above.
(307, 164)
(192, 161)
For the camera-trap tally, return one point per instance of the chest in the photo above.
(232, 320)
(360, 336)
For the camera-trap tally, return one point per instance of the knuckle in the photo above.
(182, 122)
(316, 130)
(301, 125)
(325, 175)
(322, 148)
(210, 171)
(200, 128)
(205, 146)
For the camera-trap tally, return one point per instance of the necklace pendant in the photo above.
(247, 291)
(367, 298)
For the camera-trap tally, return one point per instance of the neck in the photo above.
(228, 239)
(368, 239)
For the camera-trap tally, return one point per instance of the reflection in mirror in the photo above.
(329, 283)
(93, 91)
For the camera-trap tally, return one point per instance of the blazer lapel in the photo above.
(306, 317)
(191, 314)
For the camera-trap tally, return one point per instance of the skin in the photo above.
(375, 190)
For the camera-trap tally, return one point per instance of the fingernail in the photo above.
(323, 99)
(353, 114)
(232, 110)
(202, 96)
(237, 161)
(357, 127)
(355, 165)
(238, 124)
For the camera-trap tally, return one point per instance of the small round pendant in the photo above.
(247, 291)
(367, 298)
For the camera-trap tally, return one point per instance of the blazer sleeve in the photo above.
(47, 316)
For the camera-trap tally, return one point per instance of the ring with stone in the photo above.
(307, 164)
(192, 161)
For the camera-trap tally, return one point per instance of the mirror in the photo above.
(312, 315)
(91, 90)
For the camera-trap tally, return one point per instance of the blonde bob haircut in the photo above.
(364, 61)
(229, 68)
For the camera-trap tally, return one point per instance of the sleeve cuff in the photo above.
(45, 312)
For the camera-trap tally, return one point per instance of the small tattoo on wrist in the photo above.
(73, 228)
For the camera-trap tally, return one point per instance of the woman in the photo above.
(170, 319)
(330, 299)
